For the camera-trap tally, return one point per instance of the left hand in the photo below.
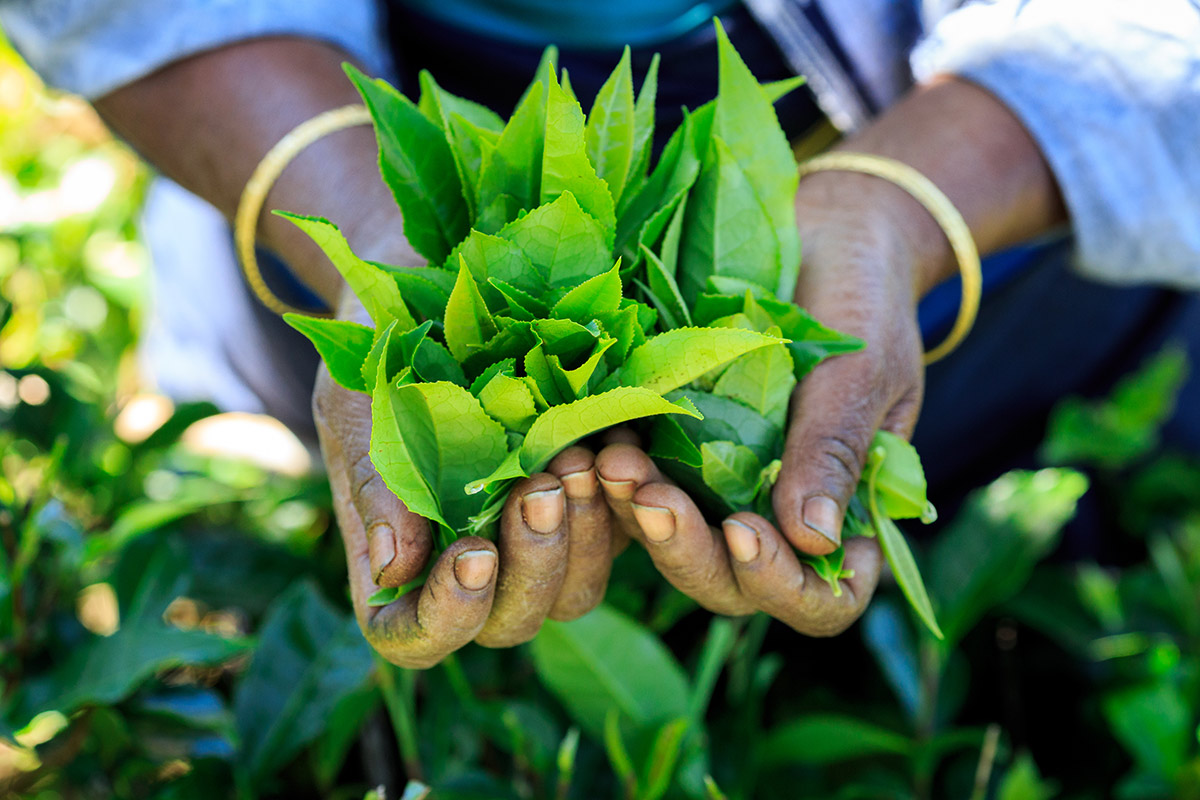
(861, 277)
(745, 566)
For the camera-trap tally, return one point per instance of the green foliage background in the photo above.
(219, 657)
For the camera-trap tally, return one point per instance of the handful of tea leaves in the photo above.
(571, 288)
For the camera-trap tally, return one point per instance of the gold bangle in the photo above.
(263, 178)
(925, 192)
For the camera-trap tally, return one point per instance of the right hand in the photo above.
(552, 558)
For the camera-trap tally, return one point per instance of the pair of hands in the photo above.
(561, 528)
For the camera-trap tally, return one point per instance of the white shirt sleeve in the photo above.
(1110, 90)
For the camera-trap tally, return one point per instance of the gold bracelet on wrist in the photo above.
(944, 213)
(263, 178)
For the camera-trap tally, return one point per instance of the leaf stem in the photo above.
(398, 687)
(987, 760)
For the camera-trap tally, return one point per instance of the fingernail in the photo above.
(580, 485)
(823, 515)
(381, 548)
(742, 540)
(618, 490)
(474, 569)
(543, 511)
(657, 523)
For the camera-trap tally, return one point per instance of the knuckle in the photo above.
(363, 474)
(842, 456)
(576, 603)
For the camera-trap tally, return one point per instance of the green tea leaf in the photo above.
(438, 105)
(623, 326)
(643, 135)
(829, 739)
(731, 470)
(605, 661)
(727, 230)
(673, 175)
(508, 400)
(468, 323)
(900, 482)
(309, 656)
(1022, 781)
(895, 548)
(547, 65)
(725, 418)
(764, 381)
(575, 381)
(987, 554)
(418, 166)
(666, 290)
(746, 122)
(373, 285)
(562, 426)
(430, 360)
(390, 453)
(424, 289)
(540, 377)
(104, 670)
(492, 257)
(566, 87)
(385, 344)
(566, 338)
(565, 165)
(618, 754)
(904, 568)
(775, 91)
(663, 756)
(468, 127)
(514, 340)
(469, 143)
(670, 244)
(510, 174)
(1155, 724)
(675, 358)
(594, 296)
(611, 128)
(452, 441)
(343, 346)
(1123, 427)
(563, 242)
(668, 439)
(811, 342)
(521, 305)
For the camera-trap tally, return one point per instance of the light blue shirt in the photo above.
(1109, 89)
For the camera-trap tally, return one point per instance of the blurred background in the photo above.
(174, 620)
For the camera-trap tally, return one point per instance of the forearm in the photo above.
(208, 120)
(972, 148)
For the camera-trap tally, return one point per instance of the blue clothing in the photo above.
(575, 24)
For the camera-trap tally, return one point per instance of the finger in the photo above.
(533, 561)
(837, 410)
(422, 628)
(622, 434)
(622, 470)
(772, 576)
(589, 535)
(691, 555)
(397, 541)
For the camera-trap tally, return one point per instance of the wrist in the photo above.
(880, 221)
